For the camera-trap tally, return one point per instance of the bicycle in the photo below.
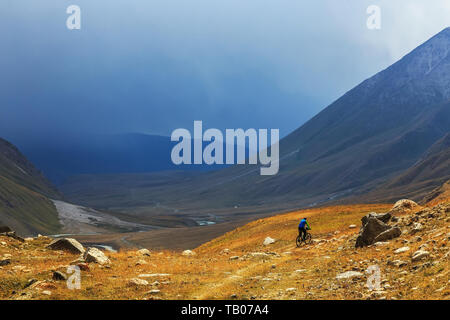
(308, 239)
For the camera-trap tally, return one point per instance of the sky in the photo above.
(152, 66)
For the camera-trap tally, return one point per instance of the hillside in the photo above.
(238, 266)
(24, 194)
(364, 139)
(430, 172)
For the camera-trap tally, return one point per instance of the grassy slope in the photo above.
(24, 192)
(26, 211)
(211, 274)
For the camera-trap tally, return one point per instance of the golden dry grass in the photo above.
(308, 272)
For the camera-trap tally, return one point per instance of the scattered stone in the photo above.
(291, 289)
(153, 275)
(352, 226)
(268, 241)
(154, 291)
(59, 276)
(5, 262)
(96, 256)
(419, 255)
(397, 263)
(234, 258)
(136, 282)
(144, 252)
(349, 275)
(401, 250)
(47, 292)
(188, 253)
(141, 262)
(67, 244)
(416, 228)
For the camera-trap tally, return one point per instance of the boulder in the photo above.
(268, 241)
(389, 234)
(370, 230)
(384, 217)
(96, 256)
(404, 204)
(67, 244)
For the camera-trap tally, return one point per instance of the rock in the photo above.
(234, 258)
(188, 253)
(349, 275)
(141, 262)
(47, 293)
(153, 275)
(388, 234)
(352, 226)
(144, 252)
(291, 289)
(268, 241)
(59, 276)
(416, 228)
(300, 270)
(397, 263)
(384, 217)
(5, 262)
(401, 250)
(404, 204)
(419, 255)
(96, 256)
(154, 291)
(136, 282)
(225, 251)
(370, 230)
(67, 244)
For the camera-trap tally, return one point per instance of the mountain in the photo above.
(429, 173)
(24, 194)
(61, 159)
(367, 137)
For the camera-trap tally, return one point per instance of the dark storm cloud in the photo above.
(153, 66)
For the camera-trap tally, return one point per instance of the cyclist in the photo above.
(302, 227)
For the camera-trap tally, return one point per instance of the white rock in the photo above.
(352, 226)
(96, 256)
(419, 255)
(188, 253)
(144, 252)
(137, 282)
(268, 241)
(349, 275)
(401, 250)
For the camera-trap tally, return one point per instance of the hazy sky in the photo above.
(156, 65)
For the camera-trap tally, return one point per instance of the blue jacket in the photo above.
(302, 224)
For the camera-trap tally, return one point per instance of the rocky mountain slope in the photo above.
(257, 261)
(24, 194)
